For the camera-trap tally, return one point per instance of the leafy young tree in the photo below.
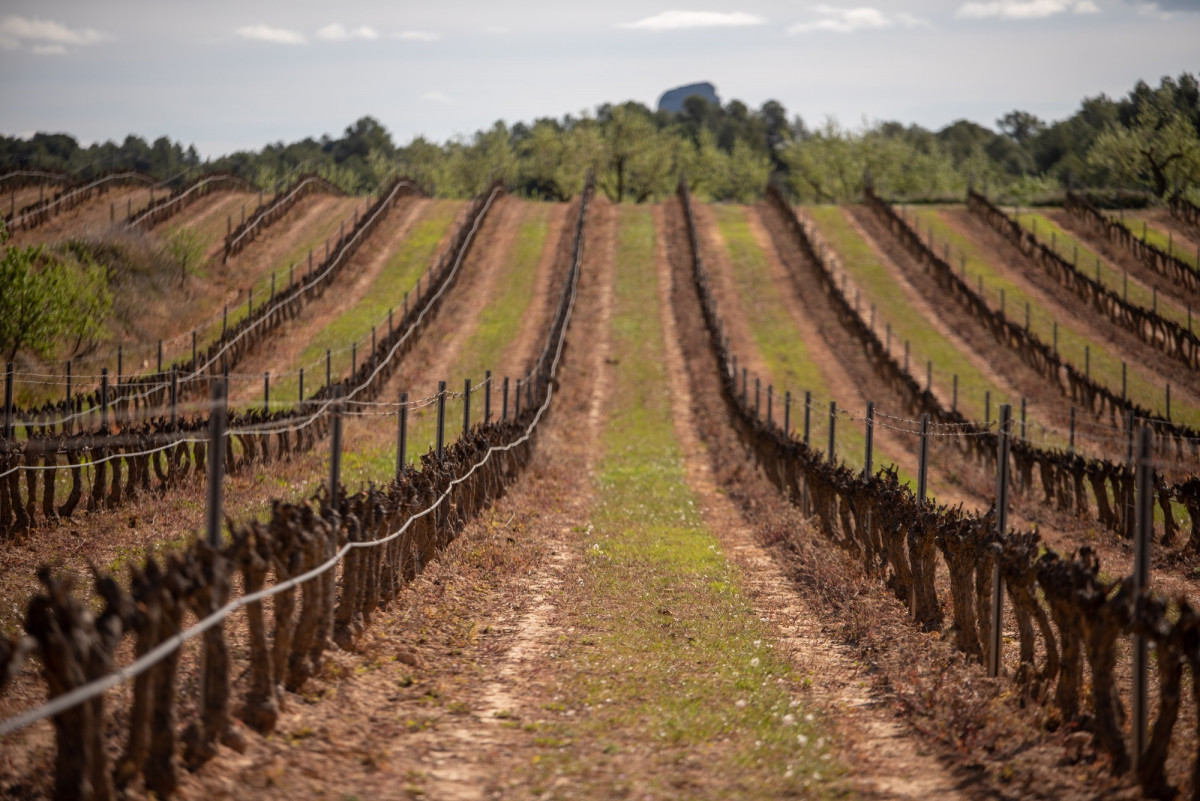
(583, 150)
(42, 301)
(747, 173)
(541, 151)
(185, 246)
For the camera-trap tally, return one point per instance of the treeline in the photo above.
(1148, 141)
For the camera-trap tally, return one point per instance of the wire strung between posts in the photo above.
(198, 371)
(74, 192)
(322, 406)
(311, 284)
(275, 203)
(197, 375)
(196, 186)
(94, 688)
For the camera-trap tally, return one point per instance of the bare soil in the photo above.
(444, 693)
(887, 760)
(1005, 750)
(96, 214)
(433, 703)
(280, 352)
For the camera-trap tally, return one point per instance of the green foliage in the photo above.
(1161, 148)
(47, 305)
(185, 246)
(637, 154)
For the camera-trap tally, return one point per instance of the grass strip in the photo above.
(398, 276)
(880, 289)
(1142, 387)
(781, 346)
(1159, 237)
(1073, 250)
(670, 684)
(325, 228)
(492, 332)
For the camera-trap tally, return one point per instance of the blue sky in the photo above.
(229, 75)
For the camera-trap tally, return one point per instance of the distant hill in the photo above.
(672, 99)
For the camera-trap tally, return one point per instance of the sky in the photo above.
(227, 75)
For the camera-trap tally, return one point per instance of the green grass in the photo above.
(411, 259)
(492, 333)
(669, 670)
(1159, 238)
(325, 228)
(780, 345)
(1086, 260)
(880, 289)
(1141, 386)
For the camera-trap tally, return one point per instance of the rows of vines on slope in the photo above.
(155, 452)
(148, 394)
(1075, 384)
(381, 536)
(1147, 325)
(1066, 610)
(1064, 476)
(267, 214)
(163, 209)
(73, 196)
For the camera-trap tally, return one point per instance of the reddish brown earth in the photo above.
(96, 214)
(279, 353)
(1064, 532)
(437, 699)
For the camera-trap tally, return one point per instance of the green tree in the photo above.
(747, 173)
(185, 246)
(43, 301)
(1161, 146)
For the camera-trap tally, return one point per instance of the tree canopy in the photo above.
(1146, 140)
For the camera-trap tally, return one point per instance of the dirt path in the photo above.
(845, 374)
(1151, 364)
(530, 630)
(279, 353)
(441, 341)
(434, 702)
(887, 762)
(733, 310)
(848, 375)
(210, 218)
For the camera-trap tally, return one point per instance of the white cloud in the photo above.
(1025, 9)
(44, 36)
(265, 33)
(440, 98)
(1165, 9)
(848, 20)
(417, 36)
(676, 20)
(336, 32)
